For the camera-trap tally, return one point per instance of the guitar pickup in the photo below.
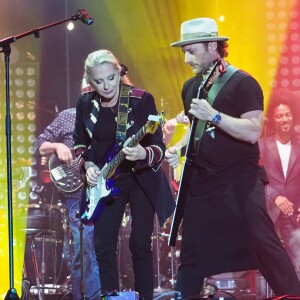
(58, 173)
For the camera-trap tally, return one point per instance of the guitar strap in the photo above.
(123, 100)
(122, 118)
(212, 94)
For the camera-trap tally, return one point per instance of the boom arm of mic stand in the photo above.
(35, 32)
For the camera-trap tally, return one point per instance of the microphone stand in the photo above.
(6, 49)
(82, 273)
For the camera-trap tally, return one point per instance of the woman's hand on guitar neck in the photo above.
(134, 153)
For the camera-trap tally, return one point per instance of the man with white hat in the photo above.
(226, 227)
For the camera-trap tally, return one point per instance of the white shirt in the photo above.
(284, 153)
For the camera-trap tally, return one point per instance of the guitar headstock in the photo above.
(208, 78)
(154, 121)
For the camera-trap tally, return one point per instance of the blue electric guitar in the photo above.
(90, 207)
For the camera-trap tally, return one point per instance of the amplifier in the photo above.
(128, 295)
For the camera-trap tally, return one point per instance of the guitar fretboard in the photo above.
(114, 163)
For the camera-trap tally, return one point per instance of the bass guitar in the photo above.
(90, 207)
(187, 169)
(66, 177)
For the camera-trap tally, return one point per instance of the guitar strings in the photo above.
(69, 168)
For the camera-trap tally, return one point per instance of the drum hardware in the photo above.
(125, 220)
(44, 270)
(158, 255)
(25, 290)
(172, 281)
(262, 288)
(165, 258)
(39, 281)
(124, 258)
(165, 264)
(48, 289)
(38, 189)
(46, 219)
(39, 193)
(170, 256)
(232, 285)
(43, 265)
(208, 291)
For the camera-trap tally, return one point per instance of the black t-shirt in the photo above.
(104, 134)
(218, 159)
(104, 146)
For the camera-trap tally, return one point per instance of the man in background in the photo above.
(280, 153)
(57, 139)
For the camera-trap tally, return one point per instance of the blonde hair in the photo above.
(99, 57)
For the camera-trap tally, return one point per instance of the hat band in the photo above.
(196, 35)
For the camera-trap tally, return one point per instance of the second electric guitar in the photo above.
(187, 169)
(66, 177)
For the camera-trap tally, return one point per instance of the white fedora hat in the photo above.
(197, 31)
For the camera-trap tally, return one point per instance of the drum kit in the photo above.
(48, 256)
(47, 249)
(48, 253)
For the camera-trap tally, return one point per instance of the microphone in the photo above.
(84, 17)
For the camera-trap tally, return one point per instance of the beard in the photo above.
(204, 68)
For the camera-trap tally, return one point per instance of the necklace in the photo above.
(114, 108)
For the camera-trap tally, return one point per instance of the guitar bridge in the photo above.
(58, 173)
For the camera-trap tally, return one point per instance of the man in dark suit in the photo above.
(280, 153)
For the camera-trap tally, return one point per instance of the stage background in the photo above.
(46, 72)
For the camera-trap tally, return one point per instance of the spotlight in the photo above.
(70, 26)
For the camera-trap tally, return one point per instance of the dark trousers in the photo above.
(106, 238)
(290, 235)
(229, 230)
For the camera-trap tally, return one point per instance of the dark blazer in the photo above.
(152, 179)
(278, 185)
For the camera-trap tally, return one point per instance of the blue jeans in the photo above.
(91, 268)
